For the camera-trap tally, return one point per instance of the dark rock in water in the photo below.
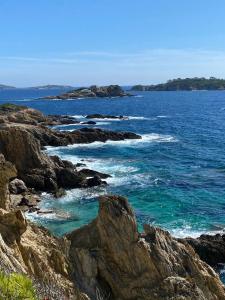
(61, 120)
(78, 165)
(68, 178)
(95, 181)
(91, 173)
(210, 248)
(100, 116)
(17, 186)
(88, 123)
(89, 135)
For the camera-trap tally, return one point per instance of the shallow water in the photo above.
(174, 177)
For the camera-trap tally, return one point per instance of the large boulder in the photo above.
(17, 186)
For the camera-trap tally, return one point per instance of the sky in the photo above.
(84, 42)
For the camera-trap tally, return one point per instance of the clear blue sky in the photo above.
(82, 42)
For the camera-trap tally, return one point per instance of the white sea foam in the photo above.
(61, 127)
(138, 118)
(162, 117)
(187, 231)
(78, 116)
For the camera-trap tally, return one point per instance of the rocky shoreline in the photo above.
(27, 131)
(106, 259)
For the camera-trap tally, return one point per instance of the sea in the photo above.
(174, 177)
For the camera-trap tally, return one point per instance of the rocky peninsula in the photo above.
(106, 259)
(186, 84)
(92, 92)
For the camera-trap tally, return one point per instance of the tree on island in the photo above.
(186, 84)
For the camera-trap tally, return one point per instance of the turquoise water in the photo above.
(174, 177)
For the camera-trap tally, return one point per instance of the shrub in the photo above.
(16, 287)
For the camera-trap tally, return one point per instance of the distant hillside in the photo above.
(3, 86)
(187, 84)
(52, 86)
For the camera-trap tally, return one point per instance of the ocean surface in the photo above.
(174, 177)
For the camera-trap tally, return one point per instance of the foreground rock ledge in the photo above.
(109, 258)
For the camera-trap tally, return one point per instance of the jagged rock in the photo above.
(17, 186)
(7, 172)
(210, 248)
(110, 257)
(27, 248)
(12, 225)
(35, 168)
(95, 181)
(91, 173)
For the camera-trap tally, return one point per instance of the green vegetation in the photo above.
(16, 287)
(187, 84)
(8, 107)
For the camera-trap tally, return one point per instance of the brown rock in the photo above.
(7, 172)
(117, 262)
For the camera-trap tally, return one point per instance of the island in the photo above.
(91, 92)
(52, 87)
(186, 84)
(5, 87)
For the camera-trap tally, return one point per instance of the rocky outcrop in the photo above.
(7, 172)
(210, 248)
(107, 259)
(111, 259)
(100, 116)
(32, 250)
(92, 92)
(35, 168)
(17, 186)
(11, 113)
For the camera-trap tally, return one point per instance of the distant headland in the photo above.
(186, 84)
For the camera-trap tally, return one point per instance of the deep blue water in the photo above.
(174, 177)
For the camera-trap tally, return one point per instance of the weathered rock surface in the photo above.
(35, 168)
(107, 259)
(92, 92)
(17, 186)
(7, 172)
(210, 248)
(111, 258)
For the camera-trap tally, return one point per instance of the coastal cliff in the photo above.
(26, 131)
(106, 259)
